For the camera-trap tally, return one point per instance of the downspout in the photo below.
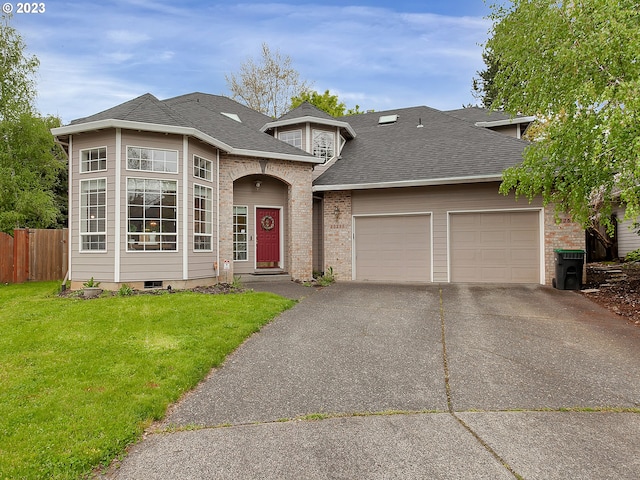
(217, 266)
(71, 212)
(118, 217)
(185, 208)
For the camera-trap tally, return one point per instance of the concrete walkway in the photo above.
(446, 382)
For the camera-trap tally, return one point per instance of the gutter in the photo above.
(508, 121)
(172, 129)
(409, 183)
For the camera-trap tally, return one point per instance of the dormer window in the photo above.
(323, 144)
(292, 137)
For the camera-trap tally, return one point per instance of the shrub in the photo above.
(633, 256)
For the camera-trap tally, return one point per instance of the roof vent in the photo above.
(387, 119)
(232, 116)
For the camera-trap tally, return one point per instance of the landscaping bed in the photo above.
(615, 286)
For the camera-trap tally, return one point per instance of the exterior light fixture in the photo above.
(258, 183)
(336, 212)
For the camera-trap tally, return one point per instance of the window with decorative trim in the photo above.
(292, 137)
(323, 145)
(240, 244)
(202, 218)
(93, 159)
(152, 160)
(202, 168)
(93, 215)
(152, 214)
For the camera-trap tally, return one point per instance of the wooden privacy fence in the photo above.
(33, 255)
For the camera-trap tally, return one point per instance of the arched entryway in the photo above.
(260, 224)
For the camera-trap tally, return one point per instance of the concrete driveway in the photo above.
(440, 381)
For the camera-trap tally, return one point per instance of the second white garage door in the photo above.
(393, 248)
(502, 247)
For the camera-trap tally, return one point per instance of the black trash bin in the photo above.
(569, 266)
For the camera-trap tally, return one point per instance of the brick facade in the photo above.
(559, 233)
(337, 234)
(298, 228)
(338, 231)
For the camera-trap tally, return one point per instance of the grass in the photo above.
(81, 379)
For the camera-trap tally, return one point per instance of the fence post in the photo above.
(6, 258)
(20, 255)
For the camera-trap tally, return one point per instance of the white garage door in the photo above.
(393, 248)
(502, 247)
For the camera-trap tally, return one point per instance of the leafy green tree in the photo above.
(483, 85)
(574, 65)
(268, 85)
(325, 102)
(17, 72)
(33, 190)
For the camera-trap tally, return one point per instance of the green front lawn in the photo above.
(81, 379)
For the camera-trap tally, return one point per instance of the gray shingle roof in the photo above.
(221, 104)
(477, 114)
(204, 113)
(145, 108)
(305, 109)
(232, 132)
(445, 147)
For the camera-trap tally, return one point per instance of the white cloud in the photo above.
(94, 58)
(127, 37)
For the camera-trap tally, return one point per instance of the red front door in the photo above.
(267, 237)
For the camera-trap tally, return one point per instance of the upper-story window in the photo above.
(93, 215)
(323, 144)
(293, 137)
(202, 168)
(93, 159)
(152, 160)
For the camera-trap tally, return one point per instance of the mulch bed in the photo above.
(617, 288)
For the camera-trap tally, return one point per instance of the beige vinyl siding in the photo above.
(272, 193)
(628, 240)
(201, 263)
(439, 200)
(99, 265)
(510, 130)
(141, 265)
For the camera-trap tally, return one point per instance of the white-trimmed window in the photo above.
(202, 168)
(93, 159)
(93, 215)
(152, 160)
(323, 144)
(202, 218)
(152, 214)
(292, 137)
(240, 244)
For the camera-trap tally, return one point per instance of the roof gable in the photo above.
(144, 109)
(305, 109)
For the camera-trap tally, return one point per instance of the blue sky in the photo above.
(376, 54)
